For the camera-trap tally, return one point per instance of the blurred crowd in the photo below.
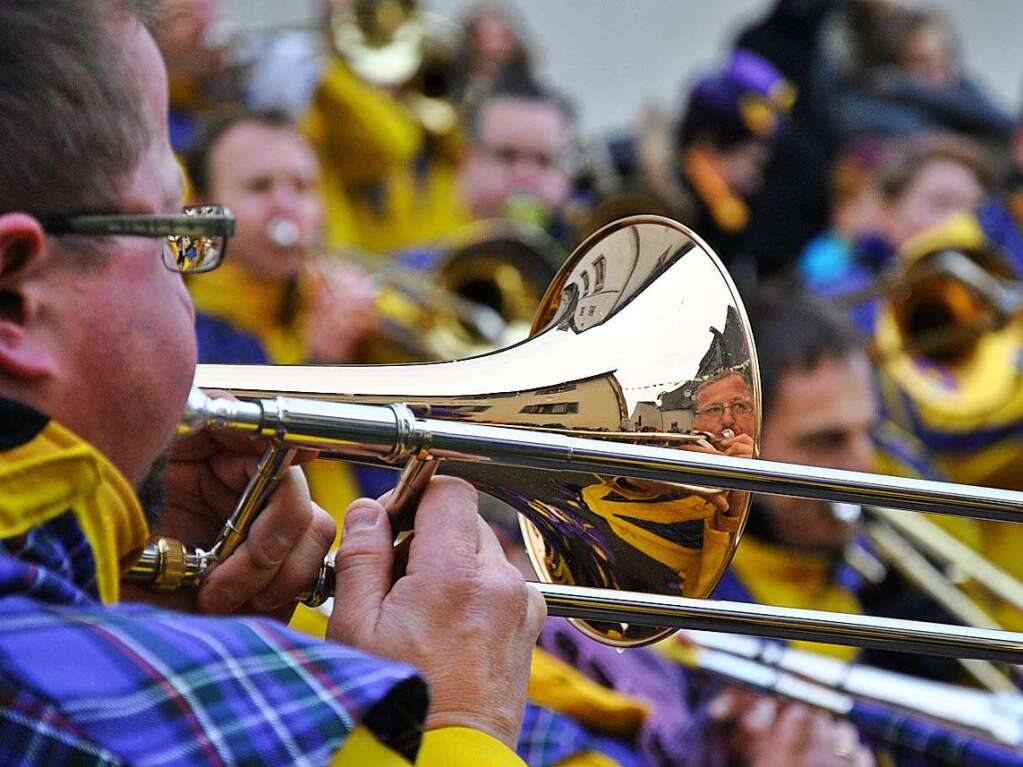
(860, 187)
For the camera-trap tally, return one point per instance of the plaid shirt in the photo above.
(84, 683)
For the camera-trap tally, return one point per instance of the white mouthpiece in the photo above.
(283, 232)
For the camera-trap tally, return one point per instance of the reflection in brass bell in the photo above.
(633, 341)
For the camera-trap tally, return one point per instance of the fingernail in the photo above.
(276, 548)
(361, 517)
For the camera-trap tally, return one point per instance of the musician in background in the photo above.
(920, 183)
(97, 355)
(299, 307)
(952, 378)
(275, 301)
(707, 169)
(517, 166)
(364, 137)
(818, 410)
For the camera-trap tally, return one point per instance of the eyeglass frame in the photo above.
(156, 225)
(725, 406)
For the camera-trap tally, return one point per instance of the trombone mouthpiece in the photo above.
(283, 232)
(205, 412)
(197, 412)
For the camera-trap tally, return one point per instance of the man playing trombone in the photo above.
(96, 358)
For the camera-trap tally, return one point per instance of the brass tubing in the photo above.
(781, 623)
(392, 433)
(537, 449)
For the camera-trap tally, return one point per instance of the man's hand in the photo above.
(741, 445)
(285, 545)
(342, 312)
(462, 614)
(767, 732)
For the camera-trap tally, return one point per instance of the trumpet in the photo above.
(627, 533)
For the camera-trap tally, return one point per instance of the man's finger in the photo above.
(363, 565)
(276, 532)
(298, 571)
(281, 525)
(446, 526)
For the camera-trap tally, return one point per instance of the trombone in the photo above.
(628, 535)
(874, 699)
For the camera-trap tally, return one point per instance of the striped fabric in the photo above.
(916, 742)
(81, 683)
(549, 738)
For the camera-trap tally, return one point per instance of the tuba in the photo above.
(396, 44)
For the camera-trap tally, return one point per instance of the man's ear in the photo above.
(22, 244)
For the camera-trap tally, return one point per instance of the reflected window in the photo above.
(551, 408)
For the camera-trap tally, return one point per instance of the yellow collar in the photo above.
(56, 471)
(789, 577)
(254, 305)
(562, 688)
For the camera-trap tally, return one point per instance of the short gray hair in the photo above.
(71, 125)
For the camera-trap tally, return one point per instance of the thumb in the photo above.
(363, 567)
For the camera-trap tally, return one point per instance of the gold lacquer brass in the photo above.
(641, 338)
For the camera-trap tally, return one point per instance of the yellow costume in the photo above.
(650, 517)
(386, 186)
(787, 577)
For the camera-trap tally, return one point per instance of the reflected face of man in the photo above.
(519, 150)
(819, 417)
(725, 403)
(266, 174)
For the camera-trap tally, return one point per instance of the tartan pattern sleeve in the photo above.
(81, 683)
(33, 731)
(158, 688)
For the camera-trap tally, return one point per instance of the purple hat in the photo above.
(747, 88)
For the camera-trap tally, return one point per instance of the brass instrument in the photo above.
(502, 264)
(396, 44)
(943, 302)
(640, 322)
(480, 295)
(836, 686)
(906, 541)
(948, 339)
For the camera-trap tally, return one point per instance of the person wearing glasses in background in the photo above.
(520, 134)
(97, 354)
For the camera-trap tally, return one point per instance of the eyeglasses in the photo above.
(195, 239)
(508, 155)
(739, 408)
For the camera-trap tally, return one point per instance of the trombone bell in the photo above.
(641, 338)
